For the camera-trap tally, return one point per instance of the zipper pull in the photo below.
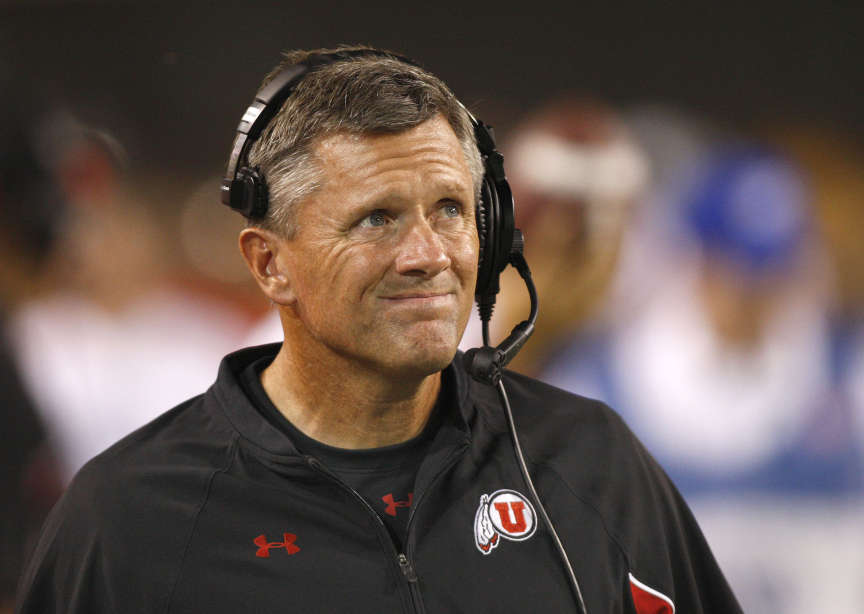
(407, 569)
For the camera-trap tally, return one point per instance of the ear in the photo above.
(261, 250)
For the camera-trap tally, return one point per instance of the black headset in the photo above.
(244, 189)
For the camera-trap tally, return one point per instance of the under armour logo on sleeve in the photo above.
(264, 546)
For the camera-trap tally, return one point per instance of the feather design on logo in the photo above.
(485, 535)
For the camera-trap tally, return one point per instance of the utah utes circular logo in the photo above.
(504, 513)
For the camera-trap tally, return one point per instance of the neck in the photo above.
(344, 405)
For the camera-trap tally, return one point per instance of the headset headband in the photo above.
(264, 107)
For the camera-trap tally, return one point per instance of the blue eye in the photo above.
(452, 210)
(375, 219)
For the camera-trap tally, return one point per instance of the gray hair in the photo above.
(359, 95)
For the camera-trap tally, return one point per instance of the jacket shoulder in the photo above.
(542, 410)
(590, 449)
(128, 513)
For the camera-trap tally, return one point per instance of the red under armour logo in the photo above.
(264, 546)
(392, 505)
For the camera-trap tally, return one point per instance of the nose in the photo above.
(422, 252)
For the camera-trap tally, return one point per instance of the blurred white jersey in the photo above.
(96, 375)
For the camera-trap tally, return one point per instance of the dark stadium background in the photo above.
(171, 80)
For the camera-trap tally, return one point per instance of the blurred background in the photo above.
(690, 183)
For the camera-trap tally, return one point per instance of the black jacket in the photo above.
(210, 508)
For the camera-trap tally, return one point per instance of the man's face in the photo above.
(384, 261)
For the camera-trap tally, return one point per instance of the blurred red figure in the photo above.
(577, 176)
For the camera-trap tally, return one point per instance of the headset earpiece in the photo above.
(249, 193)
(495, 218)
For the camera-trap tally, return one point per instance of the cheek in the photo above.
(346, 276)
(466, 253)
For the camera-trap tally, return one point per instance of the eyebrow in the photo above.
(449, 190)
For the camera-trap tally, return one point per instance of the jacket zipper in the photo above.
(402, 560)
(409, 543)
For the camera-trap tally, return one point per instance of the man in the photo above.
(358, 467)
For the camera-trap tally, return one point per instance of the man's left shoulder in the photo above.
(589, 449)
(543, 410)
(581, 440)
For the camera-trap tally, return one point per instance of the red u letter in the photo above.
(512, 527)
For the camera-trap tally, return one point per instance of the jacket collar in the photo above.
(231, 400)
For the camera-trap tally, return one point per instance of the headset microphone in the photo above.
(485, 363)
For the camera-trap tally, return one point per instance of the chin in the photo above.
(416, 350)
(422, 358)
(432, 363)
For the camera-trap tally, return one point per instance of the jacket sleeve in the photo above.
(104, 548)
(65, 572)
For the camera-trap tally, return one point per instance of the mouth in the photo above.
(418, 297)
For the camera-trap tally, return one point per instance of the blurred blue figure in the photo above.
(730, 375)
(726, 371)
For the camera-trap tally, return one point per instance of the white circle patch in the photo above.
(512, 515)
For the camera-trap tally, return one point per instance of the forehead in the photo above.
(428, 152)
